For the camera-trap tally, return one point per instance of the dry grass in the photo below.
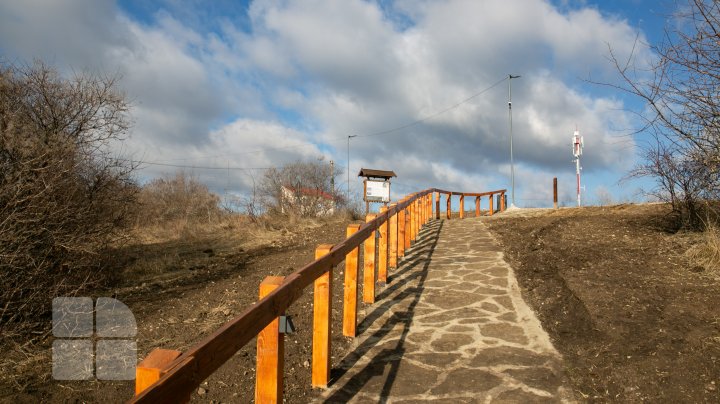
(706, 253)
(158, 250)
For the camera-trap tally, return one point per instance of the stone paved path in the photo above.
(451, 326)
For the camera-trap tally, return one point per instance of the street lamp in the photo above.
(512, 163)
(348, 167)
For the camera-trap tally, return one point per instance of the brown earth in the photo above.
(211, 281)
(634, 320)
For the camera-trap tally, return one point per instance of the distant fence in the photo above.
(171, 376)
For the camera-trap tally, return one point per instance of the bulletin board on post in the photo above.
(377, 191)
(376, 186)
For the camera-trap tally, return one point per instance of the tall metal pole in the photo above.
(348, 167)
(512, 162)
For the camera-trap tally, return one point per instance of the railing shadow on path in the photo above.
(420, 254)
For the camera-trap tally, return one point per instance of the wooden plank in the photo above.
(429, 208)
(419, 211)
(270, 353)
(154, 366)
(416, 221)
(393, 240)
(408, 226)
(401, 233)
(383, 245)
(350, 289)
(369, 265)
(449, 204)
(437, 205)
(322, 311)
(477, 193)
(426, 205)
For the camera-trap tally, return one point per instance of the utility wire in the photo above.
(433, 115)
(152, 163)
(383, 132)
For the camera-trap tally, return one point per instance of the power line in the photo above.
(343, 138)
(255, 151)
(383, 132)
(152, 163)
(433, 115)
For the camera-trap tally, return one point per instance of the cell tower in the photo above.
(578, 143)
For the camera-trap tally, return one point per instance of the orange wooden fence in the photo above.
(169, 376)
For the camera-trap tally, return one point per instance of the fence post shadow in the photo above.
(420, 254)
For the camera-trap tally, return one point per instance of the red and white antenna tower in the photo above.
(577, 152)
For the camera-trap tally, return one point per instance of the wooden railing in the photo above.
(171, 376)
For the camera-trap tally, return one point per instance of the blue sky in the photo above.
(249, 85)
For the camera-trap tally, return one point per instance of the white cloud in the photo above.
(305, 74)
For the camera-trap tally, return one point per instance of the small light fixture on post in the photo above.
(512, 163)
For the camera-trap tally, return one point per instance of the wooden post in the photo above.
(428, 207)
(449, 202)
(322, 311)
(491, 205)
(408, 226)
(270, 354)
(418, 217)
(153, 367)
(351, 286)
(477, 206)
(413, 220)
(401, 232)
(383, 249)
(369, 265)
(462, 206)
(367, 204)
(393, 239)
(555, 203)
(437, 205)
(502, 202)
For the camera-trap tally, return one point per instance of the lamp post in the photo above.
(512, 163)
(348, 167)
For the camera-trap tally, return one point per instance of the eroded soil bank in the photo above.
(634, 320)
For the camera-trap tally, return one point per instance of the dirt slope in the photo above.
(213, 282)
(634, 321)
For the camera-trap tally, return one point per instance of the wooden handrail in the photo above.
(183, 375)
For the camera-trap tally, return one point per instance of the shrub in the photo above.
(177, 198)
(63, 200)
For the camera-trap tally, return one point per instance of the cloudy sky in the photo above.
(422, 83)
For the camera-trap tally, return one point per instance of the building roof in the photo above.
(309, 192)
(371, 173)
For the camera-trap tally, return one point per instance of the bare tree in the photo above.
(63, 199)
(301, 188)
(681, 92)
(177, 197)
